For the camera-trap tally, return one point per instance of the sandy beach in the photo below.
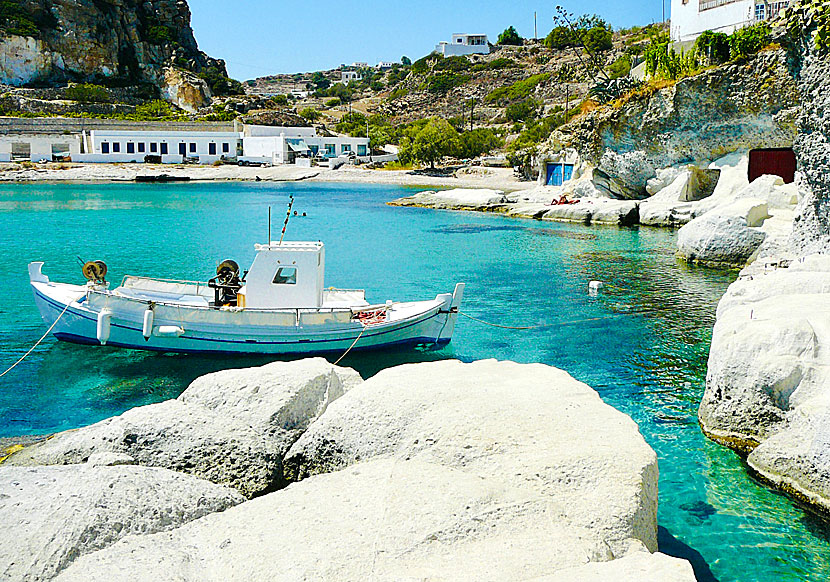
(473, 177)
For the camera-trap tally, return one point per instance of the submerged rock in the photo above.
(768, 383)
(51, 516)
(443, 471)
(231, 427)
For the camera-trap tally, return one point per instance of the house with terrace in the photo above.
(691, 18)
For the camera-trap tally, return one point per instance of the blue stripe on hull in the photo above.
(408, 343)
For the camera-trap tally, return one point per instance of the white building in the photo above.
(35, 148)
(360, 65)
(171, 146)
(385, 65)
(464, 44)
(347, 76)
(690, 18)
(284, 145)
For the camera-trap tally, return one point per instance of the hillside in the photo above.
(141, 43)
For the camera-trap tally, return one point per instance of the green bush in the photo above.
(519, 90)
(611, 90)
(662, 62)
(24, 18)
(279, 100)
(453, 64)
(406, 61)
(480, 141)
(560, 38)
(431, 143)
(807, 14)
(220, 84)
(598, 39)
(713, 47)
(156, 109)
(510, 37)
(159, 34)
(496, 65)
(332, 102)
(522, 111)
(620, 68)
(310, 114)
(444, 82)
(748, 41)
(88, 93)
(424, 64)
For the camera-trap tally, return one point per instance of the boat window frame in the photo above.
(285, 279)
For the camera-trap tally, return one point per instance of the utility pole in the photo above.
(472, 108)
(535, 29)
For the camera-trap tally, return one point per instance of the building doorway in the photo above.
(558, 174)
(776, 161)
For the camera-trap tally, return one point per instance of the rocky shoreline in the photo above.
(423, 470)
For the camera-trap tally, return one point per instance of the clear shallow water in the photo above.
(642, 344)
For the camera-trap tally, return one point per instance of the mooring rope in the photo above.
(48, 331)
(354, 343)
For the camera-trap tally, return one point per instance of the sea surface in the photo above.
(642, 342)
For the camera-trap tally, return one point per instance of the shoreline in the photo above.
(472, 177)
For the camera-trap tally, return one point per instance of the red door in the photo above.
(778, 162)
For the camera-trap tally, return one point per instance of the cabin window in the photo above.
(286, 276)
(130, 147)
(105, 147)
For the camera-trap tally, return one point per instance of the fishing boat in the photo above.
(279, 306)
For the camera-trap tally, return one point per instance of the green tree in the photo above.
(310, 114)
(319, 81)
(561, 37)
(436, 140)
(510, 37)
(279, 100)
(406, 61)
(598, 39)
(522, 111)
(713, 47)
(479, 141)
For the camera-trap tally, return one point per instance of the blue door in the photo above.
(554, 175)
(558, 174)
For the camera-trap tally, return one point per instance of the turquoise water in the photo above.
(642, 344)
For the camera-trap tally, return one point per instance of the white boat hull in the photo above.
(199, 331)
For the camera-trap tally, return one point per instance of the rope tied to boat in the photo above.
(43, 337)
(354, 343)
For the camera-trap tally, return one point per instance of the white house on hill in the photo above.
(464, 44)
(690, 18)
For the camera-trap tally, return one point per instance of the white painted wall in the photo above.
(277, 150)
(688, 21)
(276, 131)
(197, 144)
(40, 145)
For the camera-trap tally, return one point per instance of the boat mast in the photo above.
(287, 217)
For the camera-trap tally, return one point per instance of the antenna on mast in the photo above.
(287, 216)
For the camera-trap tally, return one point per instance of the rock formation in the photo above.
(440, 471)
(231, 427)
(117, 42)
(50, 516)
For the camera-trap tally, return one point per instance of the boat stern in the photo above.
(452, 303)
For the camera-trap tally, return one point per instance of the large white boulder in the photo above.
(605, 211)
(768, 382)
(50, 516)
(726, 236)
(442, 471)
(230, 427)
(479, 418)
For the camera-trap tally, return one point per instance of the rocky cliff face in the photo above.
(811, 231)
(47, 42)
(699, 119)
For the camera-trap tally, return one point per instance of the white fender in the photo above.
(104, 323)
(168, 331)
(147, 328)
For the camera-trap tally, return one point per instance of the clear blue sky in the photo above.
(259, 37)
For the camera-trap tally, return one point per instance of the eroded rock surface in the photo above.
(50, 516)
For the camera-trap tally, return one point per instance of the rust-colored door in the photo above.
(778, 162)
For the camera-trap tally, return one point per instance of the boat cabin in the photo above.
(285, 275)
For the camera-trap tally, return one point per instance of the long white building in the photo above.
(171, 147)
(283, 145)
(691, 18)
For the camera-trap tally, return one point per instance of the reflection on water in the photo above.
(642, 342)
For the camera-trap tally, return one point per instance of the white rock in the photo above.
(445, 471)
(459, 198)
(480, 418)
(595, 211)
(665, 177)
(230, 427)
(49, 516)
(635, 567)
(769, 375)
(724, 236)
(109, 459)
